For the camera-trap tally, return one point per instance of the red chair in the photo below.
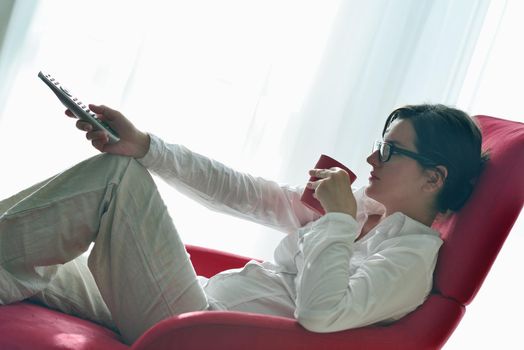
(472, 240)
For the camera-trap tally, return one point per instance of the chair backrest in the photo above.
(473, 236)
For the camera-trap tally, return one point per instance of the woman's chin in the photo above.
(370, 191)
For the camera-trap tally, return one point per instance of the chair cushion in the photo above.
(30, 326)
(473, 236)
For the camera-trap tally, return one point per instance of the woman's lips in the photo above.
(373, 176)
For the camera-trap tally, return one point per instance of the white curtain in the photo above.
(15, 19)
(493, 83)
(263, 86)
(381, 55)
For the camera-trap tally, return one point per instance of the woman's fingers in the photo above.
(83, 125)
(99, 144)
(105, 112)
(97, 135)
(80, 124)
(332, 188)
(318, 173)
(326, 173)
(320, 176)
(69, 113)
(98, 138)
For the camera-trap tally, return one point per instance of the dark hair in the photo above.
(449, 137)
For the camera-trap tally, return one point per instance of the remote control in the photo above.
(80, 110)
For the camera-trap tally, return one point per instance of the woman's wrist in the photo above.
(142, 141)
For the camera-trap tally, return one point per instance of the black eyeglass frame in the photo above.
(396, 150)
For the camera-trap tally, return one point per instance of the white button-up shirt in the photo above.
(320, 274)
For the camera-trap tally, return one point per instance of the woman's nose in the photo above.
(372, 159)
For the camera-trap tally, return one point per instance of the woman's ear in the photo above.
(436, 177)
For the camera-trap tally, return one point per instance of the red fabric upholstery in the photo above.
(472, 237)
(208, 262)
(232, 331)
(33, 327)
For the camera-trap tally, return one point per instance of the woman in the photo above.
(369, 259)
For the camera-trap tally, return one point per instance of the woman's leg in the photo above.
(73, 290)
(138, 261)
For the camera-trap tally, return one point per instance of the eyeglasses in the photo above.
(386, 150)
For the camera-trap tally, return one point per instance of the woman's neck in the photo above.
(420, 214)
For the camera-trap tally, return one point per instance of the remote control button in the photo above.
(66, 91)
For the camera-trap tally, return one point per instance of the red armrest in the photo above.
(428, 328)
(208, 262)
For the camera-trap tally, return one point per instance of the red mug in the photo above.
(324, 162)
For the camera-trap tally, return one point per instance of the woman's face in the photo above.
(397, 183)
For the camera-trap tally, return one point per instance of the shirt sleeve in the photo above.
(388, 284)
(223, 189)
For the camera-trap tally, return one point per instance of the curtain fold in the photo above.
(16, 17)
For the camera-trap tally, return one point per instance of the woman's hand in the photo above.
(333, 190)
(133, 142)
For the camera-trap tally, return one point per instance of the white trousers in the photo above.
(138, 271)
